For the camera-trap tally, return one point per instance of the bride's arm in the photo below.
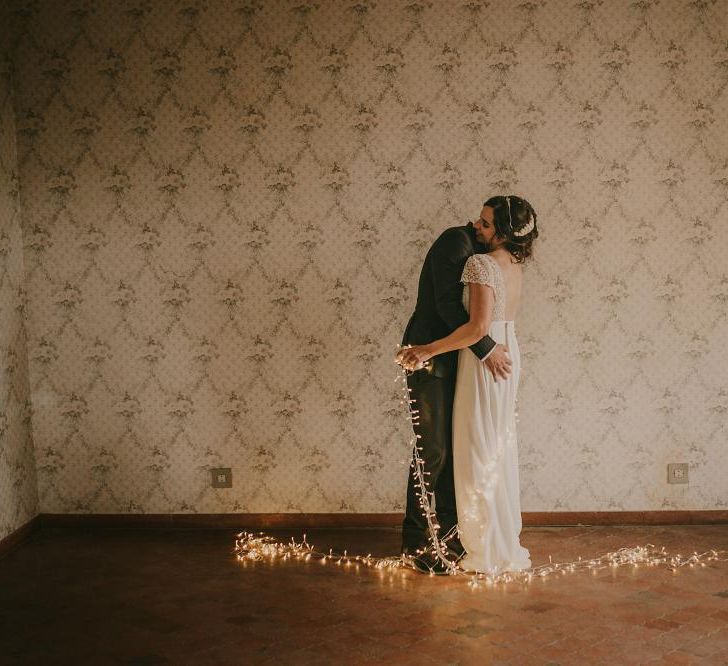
(482, 299)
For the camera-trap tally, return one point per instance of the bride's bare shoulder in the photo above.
(504, 259)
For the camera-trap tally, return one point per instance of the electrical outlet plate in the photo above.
(677, 473)
(222, 477)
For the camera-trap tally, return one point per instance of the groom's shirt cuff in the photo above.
(488, 354)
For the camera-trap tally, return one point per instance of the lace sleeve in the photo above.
(478, 270)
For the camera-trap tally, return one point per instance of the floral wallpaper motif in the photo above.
(225, 207)
(18, 484)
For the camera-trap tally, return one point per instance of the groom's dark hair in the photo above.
(507, 221)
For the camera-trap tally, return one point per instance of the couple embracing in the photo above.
(461, 354)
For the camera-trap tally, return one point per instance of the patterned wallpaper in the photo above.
(18, 484)
(226, 206)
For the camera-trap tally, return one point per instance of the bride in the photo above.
(485, 453)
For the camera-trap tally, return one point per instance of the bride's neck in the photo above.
(502, 252)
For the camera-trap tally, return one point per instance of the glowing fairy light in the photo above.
(260, 547)
(437, 547)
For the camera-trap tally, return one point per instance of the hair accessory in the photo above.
(523, 231)
(527, 229)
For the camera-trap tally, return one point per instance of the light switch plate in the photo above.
(222, 477)
(677, 473)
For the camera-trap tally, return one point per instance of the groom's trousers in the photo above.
(433, 398)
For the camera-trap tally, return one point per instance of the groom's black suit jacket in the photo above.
(439, 309)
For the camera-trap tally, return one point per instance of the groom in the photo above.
(438, 312)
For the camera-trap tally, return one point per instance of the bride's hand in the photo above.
(414, 357)
(498, 362)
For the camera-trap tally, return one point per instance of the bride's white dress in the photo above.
(485, 448)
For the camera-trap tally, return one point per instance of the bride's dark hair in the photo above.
(505, 222)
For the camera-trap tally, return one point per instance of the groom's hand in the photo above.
(412, 356)
(498, 362)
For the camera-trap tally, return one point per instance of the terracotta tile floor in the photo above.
(136, 596)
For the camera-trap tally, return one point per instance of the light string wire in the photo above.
(437, 547)
(261, 547)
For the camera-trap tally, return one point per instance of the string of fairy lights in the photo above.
(437, 547)
(261, 547)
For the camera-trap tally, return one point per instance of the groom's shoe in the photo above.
(451, 541)
(429, 564)
(409, 550)
(455, 549)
